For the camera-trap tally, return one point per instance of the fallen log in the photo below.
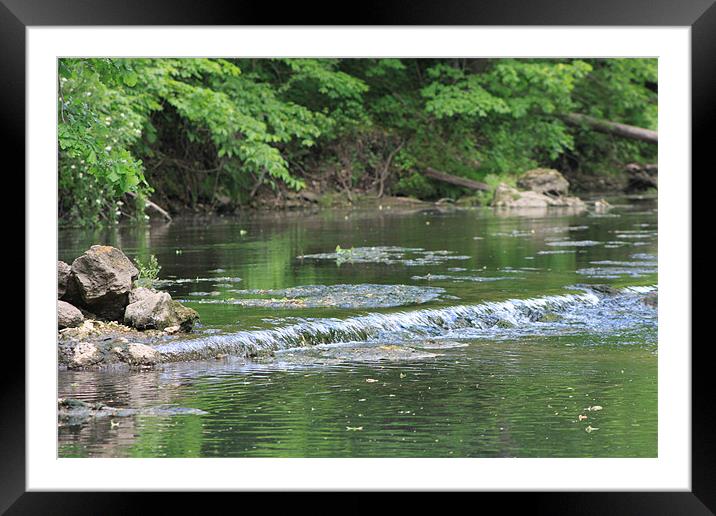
(155, 207)
(609, 127)
(455, 180)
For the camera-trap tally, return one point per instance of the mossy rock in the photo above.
(186, 317)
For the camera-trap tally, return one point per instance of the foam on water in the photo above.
(489, 318)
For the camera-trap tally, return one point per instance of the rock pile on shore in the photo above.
(543, 187)
(99, 285)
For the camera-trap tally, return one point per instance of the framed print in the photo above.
(426, 251)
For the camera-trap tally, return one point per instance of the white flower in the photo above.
(108, 148)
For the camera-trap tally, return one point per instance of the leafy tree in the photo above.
(192, 131)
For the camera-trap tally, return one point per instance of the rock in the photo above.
(185, 316)
(139, 294)
(141, 354)
(84, 354)
(509, 197)
(107, 352)
(68, 316)
(642, 177)
(73, 412)
(601, 205)
(104, 275)
(544, 180)
(63, 274)
(172, 329)
(152, 311)
(505, 195)
(157, 310)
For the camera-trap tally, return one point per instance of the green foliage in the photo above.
(107, 108)
(148, 271)
(191, 131)
(416, 185)
(98, 124)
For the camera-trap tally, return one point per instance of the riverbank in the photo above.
(633, 180)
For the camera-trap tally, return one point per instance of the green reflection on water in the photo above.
(499, 398)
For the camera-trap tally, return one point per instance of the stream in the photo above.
(390, 332)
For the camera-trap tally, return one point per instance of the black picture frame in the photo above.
(699, 15)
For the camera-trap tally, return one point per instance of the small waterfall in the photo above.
(401, 325)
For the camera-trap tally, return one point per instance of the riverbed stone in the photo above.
(103, 276)
(68, 316)
(139, 294)
(544, 180)
(157, 310)
(84, 354)
(170, 330)
(141, 354)
(63, 274)
(185, 316)
(153, 311)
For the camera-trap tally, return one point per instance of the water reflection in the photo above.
(512, 393)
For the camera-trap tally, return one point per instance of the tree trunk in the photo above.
(606, 126)
(455, 180)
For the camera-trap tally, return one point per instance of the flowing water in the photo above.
(391, 333)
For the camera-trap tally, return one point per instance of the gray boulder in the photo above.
(151, 310)
(84, 354)
(137, 354)
(103, 277)
(141, 354)
(139, 294)
(63, 274)
(68, 316)
(508, 197)
(544, 181)
(157, 310)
